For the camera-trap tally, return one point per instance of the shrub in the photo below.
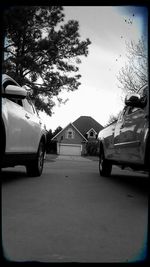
(92, 148)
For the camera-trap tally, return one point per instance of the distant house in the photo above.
(73, 138)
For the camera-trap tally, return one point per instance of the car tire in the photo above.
(35, 168)
(105, 166)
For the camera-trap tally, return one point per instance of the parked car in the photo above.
(22, 135)
(125, 142)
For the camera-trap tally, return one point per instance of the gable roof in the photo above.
(91, 130)
(85, 123)
(74, 128)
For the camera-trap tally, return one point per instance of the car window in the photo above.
(28, 106)
(6, 83)
(12, 98)
(34, 109)
(15, 100)
(131, 110)
(122, 113)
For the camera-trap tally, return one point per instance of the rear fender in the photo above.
(43, 140)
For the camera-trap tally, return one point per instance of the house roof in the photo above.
(85, 123)
(91, 130)
(71, 124)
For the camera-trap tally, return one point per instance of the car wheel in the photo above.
(105, 166)
(35, 168)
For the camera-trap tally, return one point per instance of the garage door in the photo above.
(66, 149)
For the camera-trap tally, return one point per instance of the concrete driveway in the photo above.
(71, 214)
(72, 158)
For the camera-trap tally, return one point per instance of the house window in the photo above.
(70, 134)
(91, 134)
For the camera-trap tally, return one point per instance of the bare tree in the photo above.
(112, 118)
(135, 72)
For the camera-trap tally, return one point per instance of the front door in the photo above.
(128, 138)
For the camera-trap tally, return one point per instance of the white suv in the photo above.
(23, 138)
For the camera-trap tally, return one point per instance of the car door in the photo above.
(16, 126)
(130, 134)
(118, 139)
(33, 126)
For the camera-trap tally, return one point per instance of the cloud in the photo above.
(98, 96)
(94, 102)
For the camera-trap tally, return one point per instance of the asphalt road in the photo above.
(71, 214)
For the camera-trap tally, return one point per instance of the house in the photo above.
(73, 138)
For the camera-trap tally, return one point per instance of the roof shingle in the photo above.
(85, 123)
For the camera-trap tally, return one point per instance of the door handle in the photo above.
(27, 116)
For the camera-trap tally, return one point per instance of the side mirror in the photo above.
(135, 100)
(15, 91)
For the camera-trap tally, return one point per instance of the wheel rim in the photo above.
(101, 159)
(40, 157)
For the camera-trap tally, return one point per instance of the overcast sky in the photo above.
(98, 96)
